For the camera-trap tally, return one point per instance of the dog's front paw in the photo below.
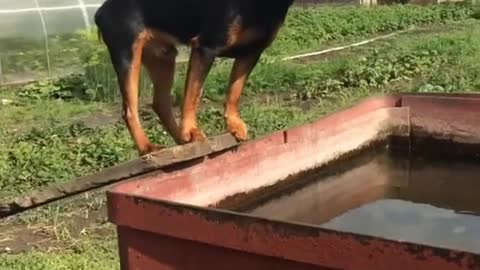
(150, 149)
(192, 134)
(237, 128)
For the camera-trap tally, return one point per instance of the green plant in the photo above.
(308, 28)
(69, 87)
(305, 29)
(58, 151)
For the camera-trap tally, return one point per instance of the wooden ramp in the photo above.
(166, 158)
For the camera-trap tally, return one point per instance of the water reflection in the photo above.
(412, 222)
(384, 195)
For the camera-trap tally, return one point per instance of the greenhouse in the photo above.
(41, 38)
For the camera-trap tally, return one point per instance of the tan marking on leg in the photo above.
(130, 89)
(130, 98)
(161, 69)
(198, 68)
(238, 35)
(240, 72)
(160, 38)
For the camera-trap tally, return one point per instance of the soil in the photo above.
(47, 230)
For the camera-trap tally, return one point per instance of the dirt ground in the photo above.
(57, 226)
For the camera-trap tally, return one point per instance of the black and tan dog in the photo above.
(147, 32)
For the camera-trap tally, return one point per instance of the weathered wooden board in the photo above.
(142, 165)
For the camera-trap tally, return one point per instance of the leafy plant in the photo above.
(58, 152)
(306, 29)
(73, 86)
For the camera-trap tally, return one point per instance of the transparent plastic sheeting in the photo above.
(29, 30)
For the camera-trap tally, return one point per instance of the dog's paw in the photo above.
(150, 149)
(192, 134)
(237, 128)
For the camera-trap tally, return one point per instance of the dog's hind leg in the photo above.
(241, 70)
(126, 55)
(160, 63)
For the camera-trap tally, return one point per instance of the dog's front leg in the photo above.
(242, 68)
(200, 63)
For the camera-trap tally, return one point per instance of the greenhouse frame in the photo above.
(42, 38)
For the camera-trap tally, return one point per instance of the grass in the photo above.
(22, 116)
(57, 153)
(94, 254)
(305, 29)
(50, 147)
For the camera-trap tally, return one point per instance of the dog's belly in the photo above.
(241, 50)
(231, 27)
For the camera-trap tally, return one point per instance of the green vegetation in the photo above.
(56, 152)
(50, 147)
(95, 254)
(305, 29)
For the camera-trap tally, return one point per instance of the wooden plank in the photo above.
(142, 165)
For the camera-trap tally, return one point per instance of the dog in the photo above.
(148, 32)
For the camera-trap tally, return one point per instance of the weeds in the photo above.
(56, 154)
(93, 254)
(305, 29)
(69, 87)
(59, 153)
(374, 71)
